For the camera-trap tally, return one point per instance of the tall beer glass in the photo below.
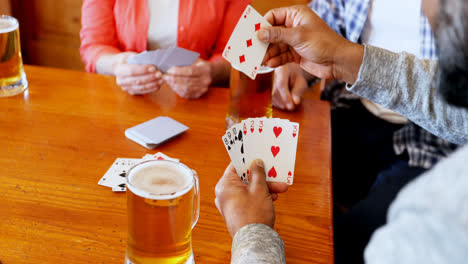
(249, 98)
(12, 78)
(163, 204)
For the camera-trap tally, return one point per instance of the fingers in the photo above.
(258, 177)
(188, 71)
(124, 70)
(299, 87)
(143, 89)
(277, 16)
(281, 94)
(277, 35)
(280, 54)
(277, 187)
(188, 87)
(274, 196)
(138, 80)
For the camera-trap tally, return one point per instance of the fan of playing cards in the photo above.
(272, 140)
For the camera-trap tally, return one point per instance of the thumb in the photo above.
(276, 35)
(300, 86)
(258, 178)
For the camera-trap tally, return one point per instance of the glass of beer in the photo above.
(12, 78)
(163, 205)
(249, 98)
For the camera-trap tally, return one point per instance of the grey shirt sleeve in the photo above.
(428, 222)
(403, 83)
(259, 244)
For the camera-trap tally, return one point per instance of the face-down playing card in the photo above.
(163, 59)
(244, 50)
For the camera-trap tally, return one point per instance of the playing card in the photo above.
(163, 59)
(272, 140)
(155, 131)
(147, 57)
(244, 50)
(115, 177)
(238, 148)
(227, 142)
(178, 57)
(116, 174)
(293, 135)
(158, 156)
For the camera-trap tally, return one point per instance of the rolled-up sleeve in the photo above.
(403, 83)
(98, 31)
(257, 243)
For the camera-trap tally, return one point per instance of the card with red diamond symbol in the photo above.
(244, 50)
(272, 140)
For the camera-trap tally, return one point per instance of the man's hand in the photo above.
(299, 35)
(134, 78)
(192, 81)
(240, 204)
(288, 86)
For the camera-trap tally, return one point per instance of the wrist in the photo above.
(347, 62)
(219, 71)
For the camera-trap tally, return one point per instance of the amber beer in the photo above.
(249, 98)
(162, 208)
(12, 78)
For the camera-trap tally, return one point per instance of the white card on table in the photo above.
(155, 131)
(116, 174)
(244, 50)
(158, 156)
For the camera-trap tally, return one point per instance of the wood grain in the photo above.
(50, 32)
(59, 138)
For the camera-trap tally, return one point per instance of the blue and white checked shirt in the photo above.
(348, 17)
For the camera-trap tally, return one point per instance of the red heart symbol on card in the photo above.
(294, 134)
(260, 130)
(272, 172)
(248, 172)
(289, 173)
(275, 150)
(160, 158)
(245, 132)
(252, 130)
(277, 131)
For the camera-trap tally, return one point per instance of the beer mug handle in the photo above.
(196, 200)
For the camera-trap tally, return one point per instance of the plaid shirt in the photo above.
(348, 17)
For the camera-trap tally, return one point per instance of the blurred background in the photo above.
(50, 28)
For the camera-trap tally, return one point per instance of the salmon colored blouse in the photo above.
(112, 26)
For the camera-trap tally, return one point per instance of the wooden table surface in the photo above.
(60, 137)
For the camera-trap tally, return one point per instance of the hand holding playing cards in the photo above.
(192, 81)
(134, 78)
(299, 35)
(240, 204)
(288, 87)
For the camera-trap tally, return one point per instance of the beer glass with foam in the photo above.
(249, 98)
(163, 204)
(12, 78)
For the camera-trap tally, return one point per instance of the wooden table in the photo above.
(58, 139)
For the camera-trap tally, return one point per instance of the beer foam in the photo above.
(7, 24)
(160, 178)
